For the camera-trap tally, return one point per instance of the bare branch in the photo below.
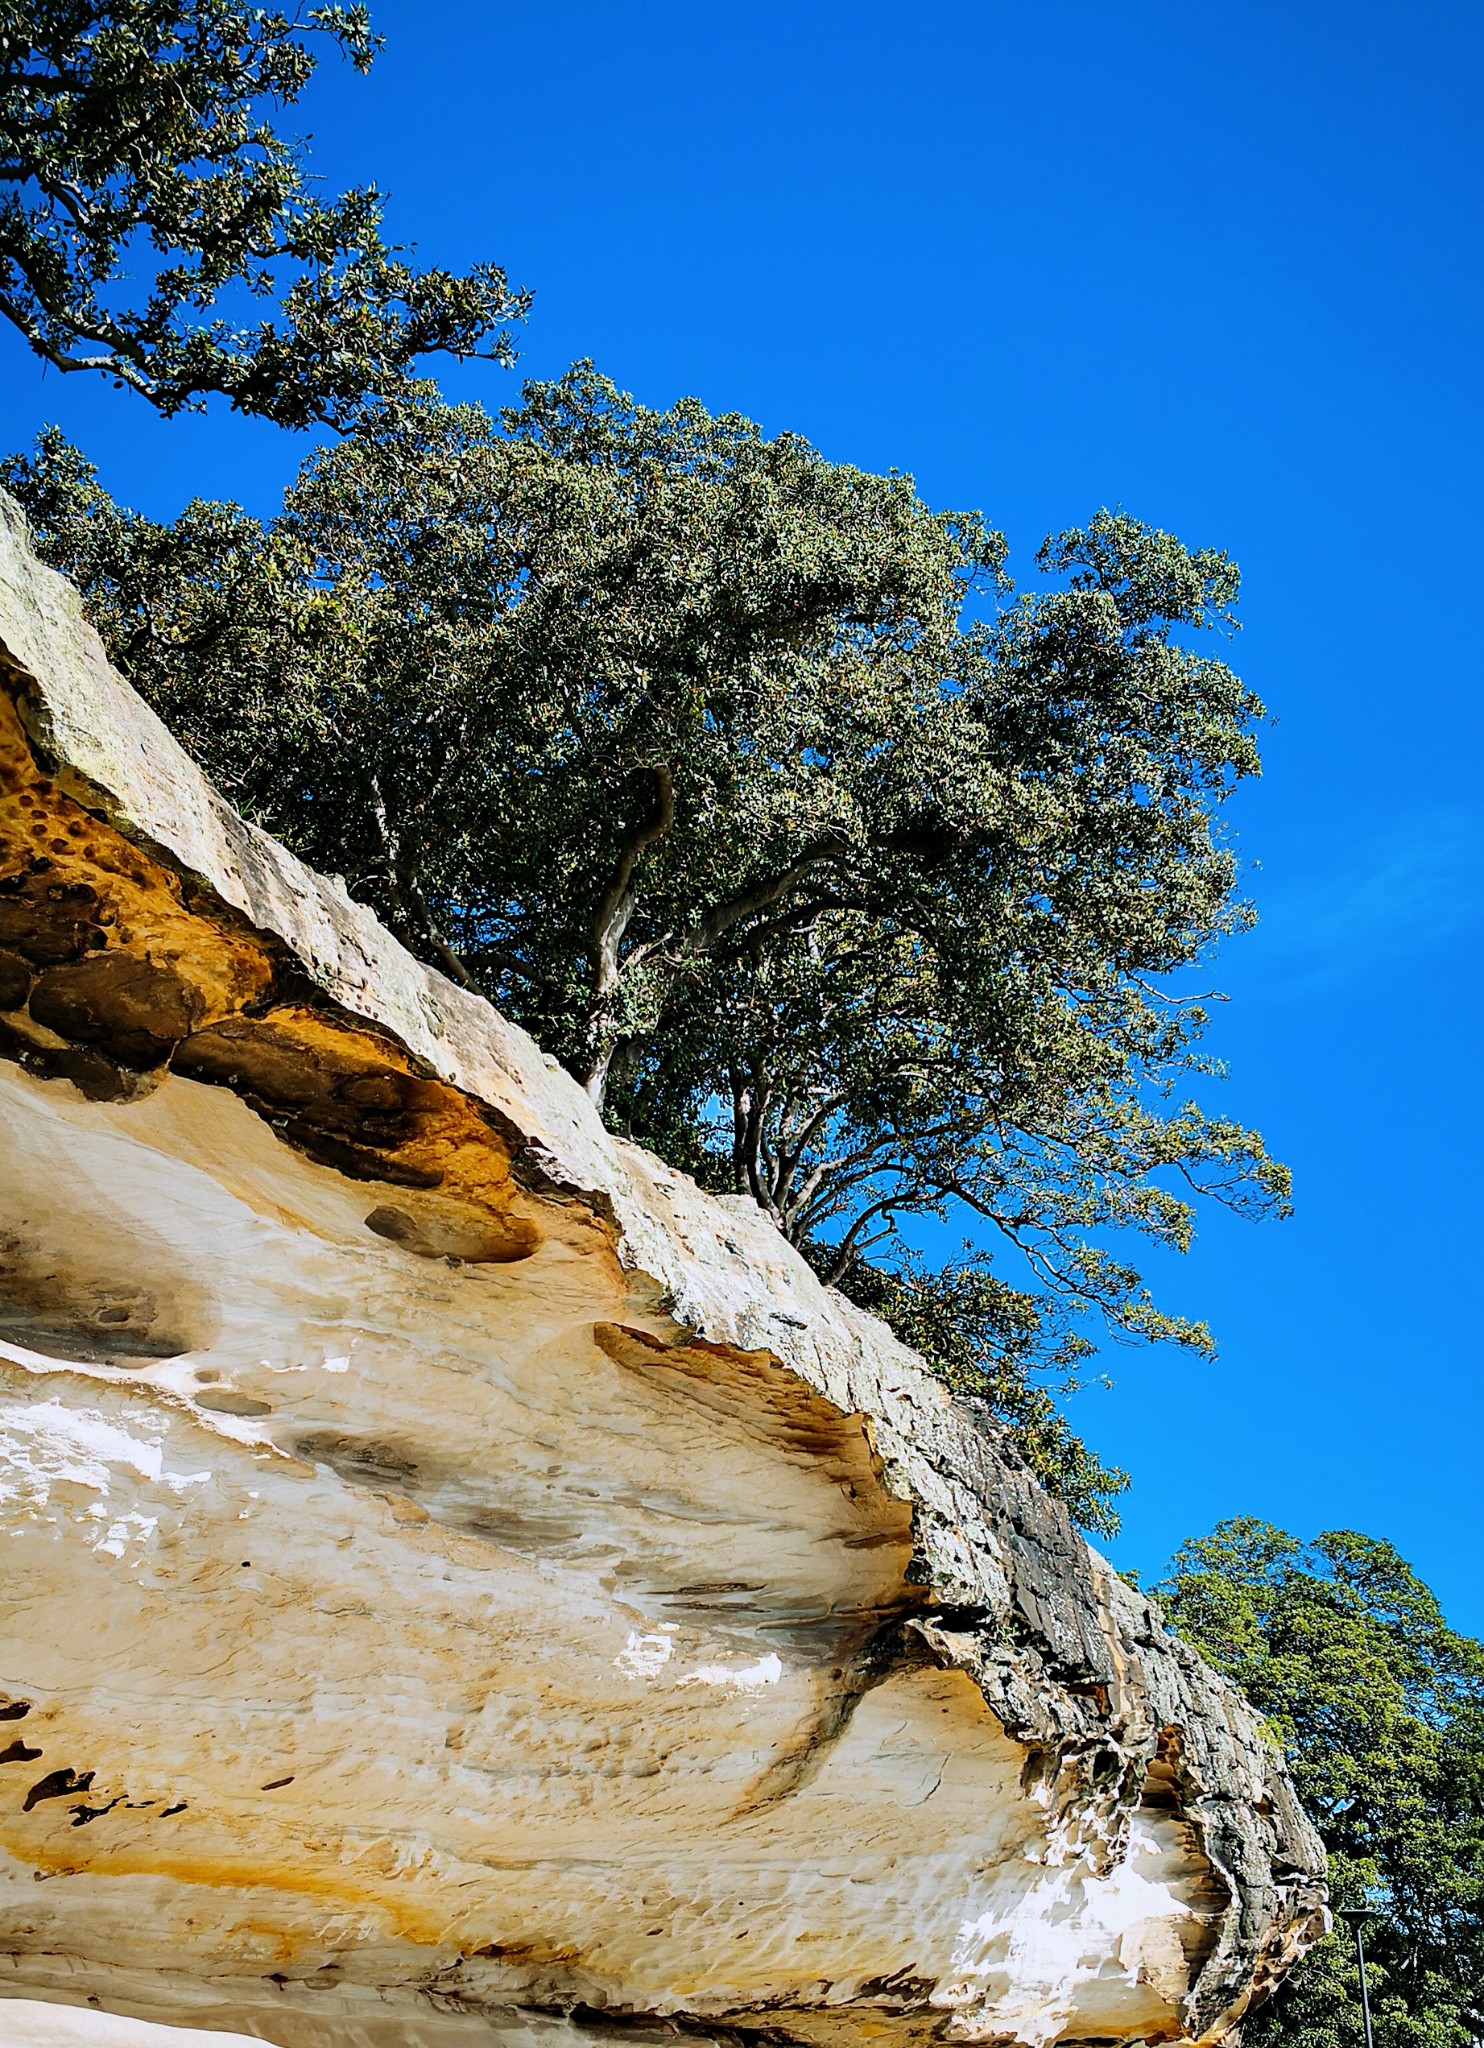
(616, 904)
(402, 885)
(721, 918)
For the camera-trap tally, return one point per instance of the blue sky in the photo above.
(1219, 264)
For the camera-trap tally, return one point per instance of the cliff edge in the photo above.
(466, 1584)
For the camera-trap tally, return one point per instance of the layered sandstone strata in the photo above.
(462, 1582)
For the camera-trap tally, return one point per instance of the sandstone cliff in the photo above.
(462, 1582)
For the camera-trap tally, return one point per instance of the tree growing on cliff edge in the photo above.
(1379, 1707)
(687, 748)
(149, 209)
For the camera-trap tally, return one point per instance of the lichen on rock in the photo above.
(462, 1581)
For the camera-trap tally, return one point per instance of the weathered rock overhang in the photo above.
(460, 1573)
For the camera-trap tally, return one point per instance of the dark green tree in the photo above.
(834, 872)
(1379, 1707)
(149, 210)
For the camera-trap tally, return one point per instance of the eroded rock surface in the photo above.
(459, 1576)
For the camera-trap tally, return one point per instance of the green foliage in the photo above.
(836, 873)
(142, 187)
(1379, 1707)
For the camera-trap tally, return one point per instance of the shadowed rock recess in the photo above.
(465, 1585)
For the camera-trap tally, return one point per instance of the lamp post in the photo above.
(1358, 1916)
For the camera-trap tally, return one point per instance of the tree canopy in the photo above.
(1379, 1707)
(149, 209)
(837, 872)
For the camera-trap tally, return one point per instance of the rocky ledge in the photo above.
(465, 1584)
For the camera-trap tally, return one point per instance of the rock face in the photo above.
(462, 1582)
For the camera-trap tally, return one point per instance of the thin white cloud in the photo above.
(1417, 888)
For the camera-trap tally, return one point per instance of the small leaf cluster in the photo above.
(149, 208)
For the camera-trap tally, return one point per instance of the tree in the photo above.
(834, 872)
(1379, 1707)
(147, 207)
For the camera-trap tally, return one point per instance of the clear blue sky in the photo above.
(1218, 263)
